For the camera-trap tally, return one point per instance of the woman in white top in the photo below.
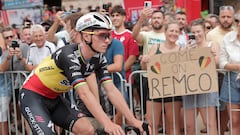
(204, 103)
(230, 60)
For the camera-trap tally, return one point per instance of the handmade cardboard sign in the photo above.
(187, 72)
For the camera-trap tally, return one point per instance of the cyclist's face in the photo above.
(101, 40)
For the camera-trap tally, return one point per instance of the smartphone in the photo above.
(14, 44)
(65, 14)
(147, 4)
(192, 39)
(0, 51)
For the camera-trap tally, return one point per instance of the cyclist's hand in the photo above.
(140, 125)
(114, 129)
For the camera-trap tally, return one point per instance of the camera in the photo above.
(14, 44)
(106, 7)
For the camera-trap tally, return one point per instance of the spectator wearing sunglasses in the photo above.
(226, 21)
(213, 19)
(230, 60)
(13, 59)
(207, 26)
(15, 51)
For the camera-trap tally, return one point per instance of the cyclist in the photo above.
(69, 67)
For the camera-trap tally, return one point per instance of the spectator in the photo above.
(44, 92)
(5, 97)
(229, 60)
(25, 35)
(115, 60)
(16, 54)
(54, 11)
(71, 8)
(168, 16)
(181, 17)
(46, 25)
(63, 9)
(66, 36)
(79, 9)
(2, 44)
(39, 49)
(89, 8)
(47, 14)
(226, 19)
(118, 16)
(147, 40)
(27, 22)
(213, 19)
(204, 103)
(12, 59)
(208, 26)
(172, 31)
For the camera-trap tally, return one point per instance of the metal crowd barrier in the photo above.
(140, 73)
(17, 126)
(10, 83)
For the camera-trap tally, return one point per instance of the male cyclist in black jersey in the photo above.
(73, 67)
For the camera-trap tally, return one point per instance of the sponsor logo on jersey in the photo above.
(51, 126)
(46, 68)
(76, 73)
(65, 82)
(73, 59)
(74, 67)
(33, 121)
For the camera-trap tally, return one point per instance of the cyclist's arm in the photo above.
(94, 107)
(118, 101)
(92, 83)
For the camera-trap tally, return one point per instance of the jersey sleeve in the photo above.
(102, 72)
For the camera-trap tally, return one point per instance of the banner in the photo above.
(17, 4)
(188, 72)
(4, 17)
(16, 16)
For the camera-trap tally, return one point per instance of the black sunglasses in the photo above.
(228, 7)
(208, 27)
(237, 21)
(8, 37)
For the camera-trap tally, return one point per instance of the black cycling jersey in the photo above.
(65, 69)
